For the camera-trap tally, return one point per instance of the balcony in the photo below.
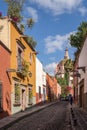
(23, 68)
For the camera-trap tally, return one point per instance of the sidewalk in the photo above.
(77, 118)
(8, 121)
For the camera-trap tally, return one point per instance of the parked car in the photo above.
(62, 98)
(67, 98)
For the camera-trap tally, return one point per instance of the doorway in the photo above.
(23, 103)
(81, 85)
(82, 96)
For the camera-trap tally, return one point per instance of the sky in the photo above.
(55, 21)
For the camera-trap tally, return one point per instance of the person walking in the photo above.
(70, 99)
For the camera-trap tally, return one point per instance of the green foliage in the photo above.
(61, 81)
(30, 95)
(66, 77)
(64, 91)
(31, 41)
(77, 39)
(64, 82)
(25, 68)
(24, 71)
(68, 66)
(30, 22)
(14, 12)
(15, 9)
(17, 93)
(22, 27)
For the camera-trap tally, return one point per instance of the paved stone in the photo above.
(51, 118)
(8, 121)
(74, 119)
(78, 118)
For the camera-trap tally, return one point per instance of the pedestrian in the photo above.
(70, 99)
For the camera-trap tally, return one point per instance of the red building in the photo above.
(5, 90)
(52, 87)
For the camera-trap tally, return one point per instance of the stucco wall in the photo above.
(83, 62)
(5, 32)
(39, 74)
(4, 79)
(9, 35)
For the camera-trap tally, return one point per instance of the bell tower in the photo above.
(66, 56)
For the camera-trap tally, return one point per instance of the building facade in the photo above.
(5, 90)
(22, 70)
(82, 80)
(39, 86)
(40, 82)
(51, 88)
(44, 85)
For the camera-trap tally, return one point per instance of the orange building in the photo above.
(21, 71)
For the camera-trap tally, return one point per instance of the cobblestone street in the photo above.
(51, 118)
(48, 116)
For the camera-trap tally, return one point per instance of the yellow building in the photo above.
(22, 73)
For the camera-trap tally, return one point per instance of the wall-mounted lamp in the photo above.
(77, 75)
(82, 68)
(11, 70)
(30, 74)
(74, 70)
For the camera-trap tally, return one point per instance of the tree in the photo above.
(64, 82)
(77, 39)
(30, 22)
(31, 41)
(68, 66)
(15, 8)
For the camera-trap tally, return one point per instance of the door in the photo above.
(23, 100)
(82, 96)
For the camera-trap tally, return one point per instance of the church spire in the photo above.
(66, 54)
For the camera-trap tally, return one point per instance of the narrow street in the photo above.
(43, 67)
(50, 118)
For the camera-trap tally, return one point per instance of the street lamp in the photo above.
(82, 68)
(30, 74)
(76, 73)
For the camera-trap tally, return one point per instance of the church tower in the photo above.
(66, 56)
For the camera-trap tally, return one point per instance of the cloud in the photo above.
(59, 6)
(58, 42)
(33, 13)
(82, 10)
(50, 68)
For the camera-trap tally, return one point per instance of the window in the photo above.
(39, 92)
(0, 96)
(30, 95)
(17, 93)
(19, 59)
(30, 58)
